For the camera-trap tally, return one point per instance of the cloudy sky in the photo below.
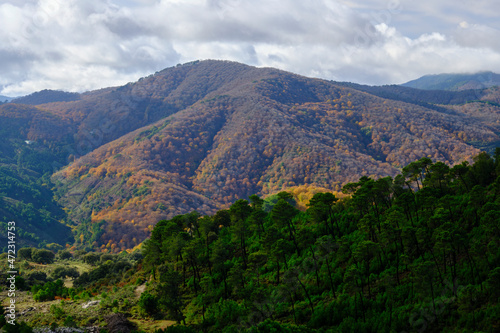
(79, 45)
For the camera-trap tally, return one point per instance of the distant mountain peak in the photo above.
(4, 99)
(455, 82)
(47, 96)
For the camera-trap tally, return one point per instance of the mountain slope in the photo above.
(104, 115)
(47, 96)
(226, 131)
(201, 135)
(32, 145)
(455, 82)
(427, 98)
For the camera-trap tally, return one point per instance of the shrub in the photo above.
(18, 328)
(91, 258)
(24, 253)
(69, 322)
(36, 277)
(42, 256)
(65, 254)
(58, 312)
(105, 257)
(148, 303)
(49, 291)
(136, 255)
(20, 283)
(63, 272)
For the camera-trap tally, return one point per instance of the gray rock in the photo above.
(90, 303)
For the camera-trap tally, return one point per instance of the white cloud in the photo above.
(86, 44)
(477, 36)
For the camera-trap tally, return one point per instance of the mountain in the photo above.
(432, 99)
(455, 82)
(241, 131)
(201, 135)
(47, 96)
(4, 99)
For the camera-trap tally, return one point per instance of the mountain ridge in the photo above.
(286, 110)
(455, 82)
(201, 135)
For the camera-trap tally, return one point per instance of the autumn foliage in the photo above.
(202, 135)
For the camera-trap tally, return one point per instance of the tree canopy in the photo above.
(419, 250)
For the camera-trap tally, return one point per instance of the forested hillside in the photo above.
(417, 252)
(258, 132)
(201, 135)
(456, 82)
(414, 252)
